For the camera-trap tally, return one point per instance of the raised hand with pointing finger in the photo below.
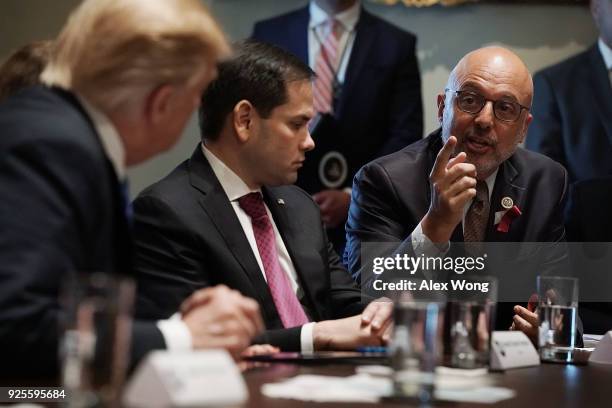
(453, 183)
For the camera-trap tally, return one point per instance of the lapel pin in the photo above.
(507, 203)
(280, 201)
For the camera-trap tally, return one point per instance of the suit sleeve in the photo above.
(545, 132)
(405, 113)
(374, 220)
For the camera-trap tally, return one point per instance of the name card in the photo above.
(186, 379)
(512, 349)
(603, 351)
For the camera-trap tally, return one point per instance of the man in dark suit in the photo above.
(63, 152)
(572, 106)
(455, 184)
(367, 93)
(228, 215)
(572, 110)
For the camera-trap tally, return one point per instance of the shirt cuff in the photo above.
(421, 244)
(176, 333)
(306, 340)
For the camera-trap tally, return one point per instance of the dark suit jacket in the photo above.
(379, 109)
(572, 115)
(392, 194)
(188, 237)
(60, 213)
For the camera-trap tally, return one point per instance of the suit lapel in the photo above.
(365, 36)
(506, 185)
(599, 82)
(216, 205)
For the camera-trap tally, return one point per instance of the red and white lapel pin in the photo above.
(504, 218)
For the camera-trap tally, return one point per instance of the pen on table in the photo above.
(371, 349)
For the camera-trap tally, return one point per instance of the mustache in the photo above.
(484, 139)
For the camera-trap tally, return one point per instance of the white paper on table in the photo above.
(482, 395)
(591, 340)
(473, 387)
(320, 388)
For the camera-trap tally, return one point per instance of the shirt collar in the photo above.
(231, 183)
(606, 53)
(109, 137)
(348, 18)
(491, 182)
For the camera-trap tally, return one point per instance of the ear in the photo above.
(243, 120)
(528, 120)
(441, 105)
(159, 103)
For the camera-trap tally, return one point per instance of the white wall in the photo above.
(540, 34)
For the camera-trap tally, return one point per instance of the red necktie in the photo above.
(287, 304)
(325, 68)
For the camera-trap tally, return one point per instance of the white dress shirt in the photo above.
(606, 53)
(234, 187)
(318, 31)
(174, 331)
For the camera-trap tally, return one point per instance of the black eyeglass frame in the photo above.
(458, 93)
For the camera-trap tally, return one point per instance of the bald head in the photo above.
(498, 62)
(486, 107)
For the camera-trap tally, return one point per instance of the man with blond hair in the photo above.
(122, 81)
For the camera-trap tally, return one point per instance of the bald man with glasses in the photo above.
(452, 185)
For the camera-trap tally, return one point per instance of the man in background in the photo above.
(229, 214)
(367, 95)
(572, 124)
(118, 92)
(572, 106)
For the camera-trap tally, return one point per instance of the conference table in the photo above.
(546, 385)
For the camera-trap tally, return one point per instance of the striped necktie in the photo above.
(325, 67)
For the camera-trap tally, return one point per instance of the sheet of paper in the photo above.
(367, 388)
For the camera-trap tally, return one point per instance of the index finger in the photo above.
(444, 156)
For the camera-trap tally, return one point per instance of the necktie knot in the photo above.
(334, 27)
(253, 205)
(482, 195)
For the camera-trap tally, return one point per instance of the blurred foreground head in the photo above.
(23, 67)
(143, 63)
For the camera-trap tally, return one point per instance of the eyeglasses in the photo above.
(472, 102)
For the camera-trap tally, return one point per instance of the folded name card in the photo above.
(186, 379)
(603, 351)
(512, 349)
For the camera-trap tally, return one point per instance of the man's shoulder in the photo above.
(538, 165)
(49, 119)
(283, 19)
(412, 159)
(388, 29)
(566, 69)
(171, 188)
(46, 105)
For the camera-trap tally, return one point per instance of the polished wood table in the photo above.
(547, 385)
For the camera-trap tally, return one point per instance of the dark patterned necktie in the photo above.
(477, 216)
